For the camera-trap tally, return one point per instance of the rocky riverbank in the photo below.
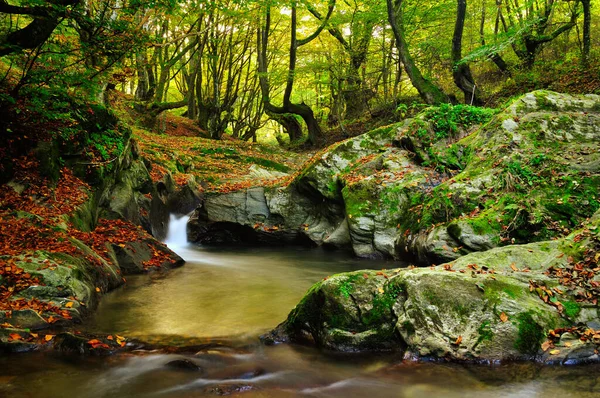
(530, 176)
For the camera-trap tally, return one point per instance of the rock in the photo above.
(480, 307)
(408, 191)
(186, 199)
(132, 256)
(27, 319)
(260, 173)
(183, 364)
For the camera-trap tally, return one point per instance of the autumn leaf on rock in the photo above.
(546, 345)
(14, 337)
(458, 340)
(503, 317)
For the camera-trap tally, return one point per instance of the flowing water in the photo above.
(220, 302)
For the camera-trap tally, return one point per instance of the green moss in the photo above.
(408, 327)
(485, 332)
(268, 163)
(384, 132)
(542, 101)
(347, 286)
(382, 305)
(571, 308)
(359, 198)
(495, 289)
(530, 334)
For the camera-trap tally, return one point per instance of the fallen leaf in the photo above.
(546, 345)
(554, 352)
(14, 337)
(503, 317)
(458, 340)
(49, 337)
(69, 304)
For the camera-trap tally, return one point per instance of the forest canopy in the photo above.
(234, 66)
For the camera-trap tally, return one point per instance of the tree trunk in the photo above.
(587, 23)
(315, 133)
(289, 123)
(428, 91)
(463, 78)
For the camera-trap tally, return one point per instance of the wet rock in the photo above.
(183, 364)
(27, 319)
(480, 307)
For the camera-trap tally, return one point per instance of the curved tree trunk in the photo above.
(461, 72)
(315, 133)
(430, 93)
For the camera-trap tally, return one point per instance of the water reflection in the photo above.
(220, 292)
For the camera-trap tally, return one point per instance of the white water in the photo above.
(177, 233)
(177, 237)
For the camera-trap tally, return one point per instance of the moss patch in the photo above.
(530, 334)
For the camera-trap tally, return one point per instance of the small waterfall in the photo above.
(177, 233)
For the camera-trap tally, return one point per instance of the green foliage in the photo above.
(485, 332)
(447, 119)
(522, 172)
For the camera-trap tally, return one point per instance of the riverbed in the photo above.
(219, 303)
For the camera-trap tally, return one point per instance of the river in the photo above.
(220, 302)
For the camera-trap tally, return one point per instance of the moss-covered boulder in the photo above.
(503, 304)
(436, 187)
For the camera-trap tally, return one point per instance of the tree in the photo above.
(362, 20)
(44, 19)
(429, 92)
(587, 27)
(534, 27)
(286, 113)
(463, 78)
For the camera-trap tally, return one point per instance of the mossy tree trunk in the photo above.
(429, 92)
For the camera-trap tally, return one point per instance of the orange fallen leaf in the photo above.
(503, 317)
(546, 345)
(69, 304)
(458, 340)
(514, 267)
(98, 289)
(554, 352)
(14, 337)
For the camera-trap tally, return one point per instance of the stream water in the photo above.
(220, 302)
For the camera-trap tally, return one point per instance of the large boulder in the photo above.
(515, 302)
